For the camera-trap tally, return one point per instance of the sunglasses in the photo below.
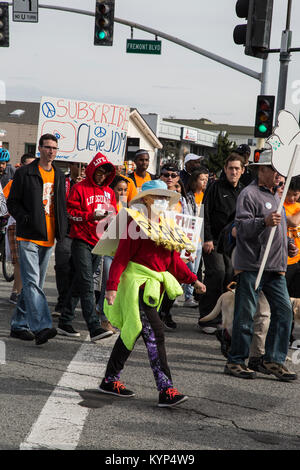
(167, 175)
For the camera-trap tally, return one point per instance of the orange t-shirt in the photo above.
(48, 202)
(6, 189)
(293, 232)
(178, 207)
(140, 181)
(131, 189)
(199, 198)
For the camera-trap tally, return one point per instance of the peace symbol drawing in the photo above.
(48, 110)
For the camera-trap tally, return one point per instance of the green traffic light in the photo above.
(102, 35)
(262, 128)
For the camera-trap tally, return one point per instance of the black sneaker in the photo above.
(115, 388)
(25, 335)
(42, 336)
(257, 364)
(225, 340)
(67, 330)
(100, 333)
(170, 397)
(13, 298)
(169, 323)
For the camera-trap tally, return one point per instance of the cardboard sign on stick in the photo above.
(84, 128)
(165, 232)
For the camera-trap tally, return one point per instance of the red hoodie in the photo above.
(84, 199)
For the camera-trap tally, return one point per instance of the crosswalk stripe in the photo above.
(60, 422)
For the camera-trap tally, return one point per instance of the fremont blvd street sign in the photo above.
(141, 46)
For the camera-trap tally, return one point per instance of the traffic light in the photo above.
(264, 116)
(104, 22)
(255, 35)
(4, 25)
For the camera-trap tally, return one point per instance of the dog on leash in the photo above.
(225, 304)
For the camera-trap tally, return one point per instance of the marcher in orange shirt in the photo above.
(37, 201)
(131, 188)
(292, 209)
(141, 175)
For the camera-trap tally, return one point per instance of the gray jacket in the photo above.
(253, 204)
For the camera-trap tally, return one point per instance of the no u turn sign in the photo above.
(25, 11)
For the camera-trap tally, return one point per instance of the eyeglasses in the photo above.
(167, 175)
(50, 148)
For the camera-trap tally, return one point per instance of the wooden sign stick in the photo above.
(272, 232)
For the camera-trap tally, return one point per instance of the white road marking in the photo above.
(60, 422)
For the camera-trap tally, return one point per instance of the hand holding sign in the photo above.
(285, 144)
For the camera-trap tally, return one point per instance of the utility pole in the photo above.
(285, 57)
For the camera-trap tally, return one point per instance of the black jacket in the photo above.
(219, 207)
(25, 203)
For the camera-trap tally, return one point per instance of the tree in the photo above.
(224, 146)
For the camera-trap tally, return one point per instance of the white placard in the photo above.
(190, 224)
(285, 137)
(85, 128)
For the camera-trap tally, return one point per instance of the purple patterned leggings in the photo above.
(153, 336)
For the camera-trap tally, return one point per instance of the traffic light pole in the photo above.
(285, 57)
(168, 37)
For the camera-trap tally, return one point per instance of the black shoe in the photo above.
(100, 333)
(115, 388)
(169, 323)
(25, 335)
(225, 340)
(170, 397)
(257, 364)
(67, 330)
(42, 336)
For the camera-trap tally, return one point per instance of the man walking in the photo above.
(256, 213)
(85, 213)
(219, 209)
(38, 203)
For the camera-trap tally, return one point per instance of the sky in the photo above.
(56, 57)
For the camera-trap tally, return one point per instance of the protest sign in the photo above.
(164, 232)
(191, 225)
(85, 128)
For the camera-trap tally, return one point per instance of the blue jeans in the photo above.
(194, 267)
(274, 287)
(85, 264)
(32, 311)
(107, 260)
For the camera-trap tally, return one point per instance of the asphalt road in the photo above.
(49, 397)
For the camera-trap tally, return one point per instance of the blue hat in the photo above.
(4, 155)
(156, 188)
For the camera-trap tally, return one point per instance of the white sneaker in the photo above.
(209, 330)
(176, 303)
(191, 303)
